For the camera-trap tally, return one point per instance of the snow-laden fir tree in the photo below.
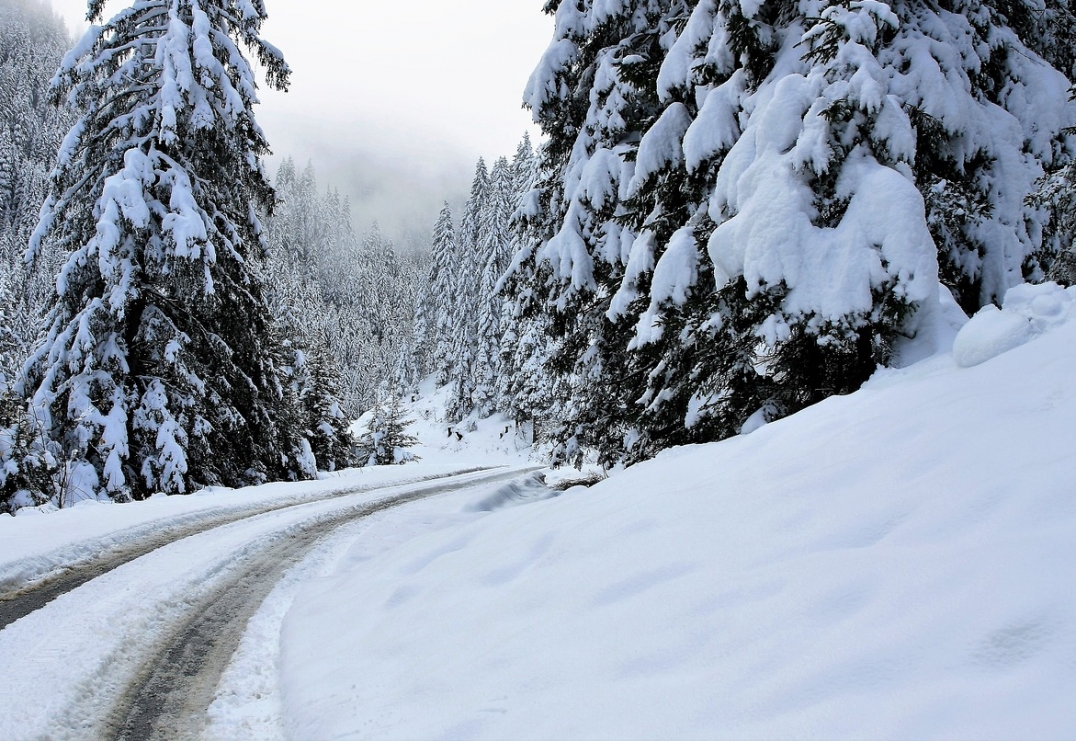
(494, 251)
(593, 94)
(711, 240)
(387, 441)
(157, 372)
(324, 424)
(463, 340)
(514, 325)
(1057, 194)
(425, 334)
(440, 302)
(949, 115)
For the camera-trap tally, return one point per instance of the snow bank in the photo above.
(890, 564)
(1028, 311)
(525, 489)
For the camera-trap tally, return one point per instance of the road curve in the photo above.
(24, 599)
(170, 694)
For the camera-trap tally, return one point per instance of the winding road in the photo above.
(155, 662)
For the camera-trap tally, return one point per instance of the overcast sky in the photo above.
(394, 102)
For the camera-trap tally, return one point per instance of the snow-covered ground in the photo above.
(76, 655)
(494, 439)
(896, 563)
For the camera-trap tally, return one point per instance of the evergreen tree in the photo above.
(387, 441)
(465, 305)
(495, 250)
(708, 241)
(593, 94)
(434, 332)
(325, 425)
(157, 372)
(1057, 193)
(428, 351)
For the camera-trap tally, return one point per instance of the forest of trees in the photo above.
(349, 299)
(32, 43)
(736, 210)
(743, 208)
(159, 365)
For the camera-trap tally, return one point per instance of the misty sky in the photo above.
(394, 102)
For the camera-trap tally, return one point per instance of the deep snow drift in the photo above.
(895, 563)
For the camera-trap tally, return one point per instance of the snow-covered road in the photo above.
(29, 584)
(137, 649)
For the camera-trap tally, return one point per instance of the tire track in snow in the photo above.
(171, 694)
(25, 599)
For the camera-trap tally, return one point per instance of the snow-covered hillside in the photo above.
(896, 563)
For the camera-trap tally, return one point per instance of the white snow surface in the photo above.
(75, 656)
(890, 564)
(895, 563)
(1029, 310)
(33, 545)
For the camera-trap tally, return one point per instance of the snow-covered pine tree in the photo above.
(387, 441)
(1057, 195)
(466, 293)
(325, 425)
(157, 371)
(1053, 34)
(857, 99)
(495, 250)
(594, 95)
(708, 183)
(511, 357)
(444, 259)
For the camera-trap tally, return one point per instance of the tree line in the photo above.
(740, 209)
(736, 210)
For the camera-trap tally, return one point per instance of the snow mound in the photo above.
(525, 489)
(1028, 311)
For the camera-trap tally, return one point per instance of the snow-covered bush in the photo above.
(1026, 312)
